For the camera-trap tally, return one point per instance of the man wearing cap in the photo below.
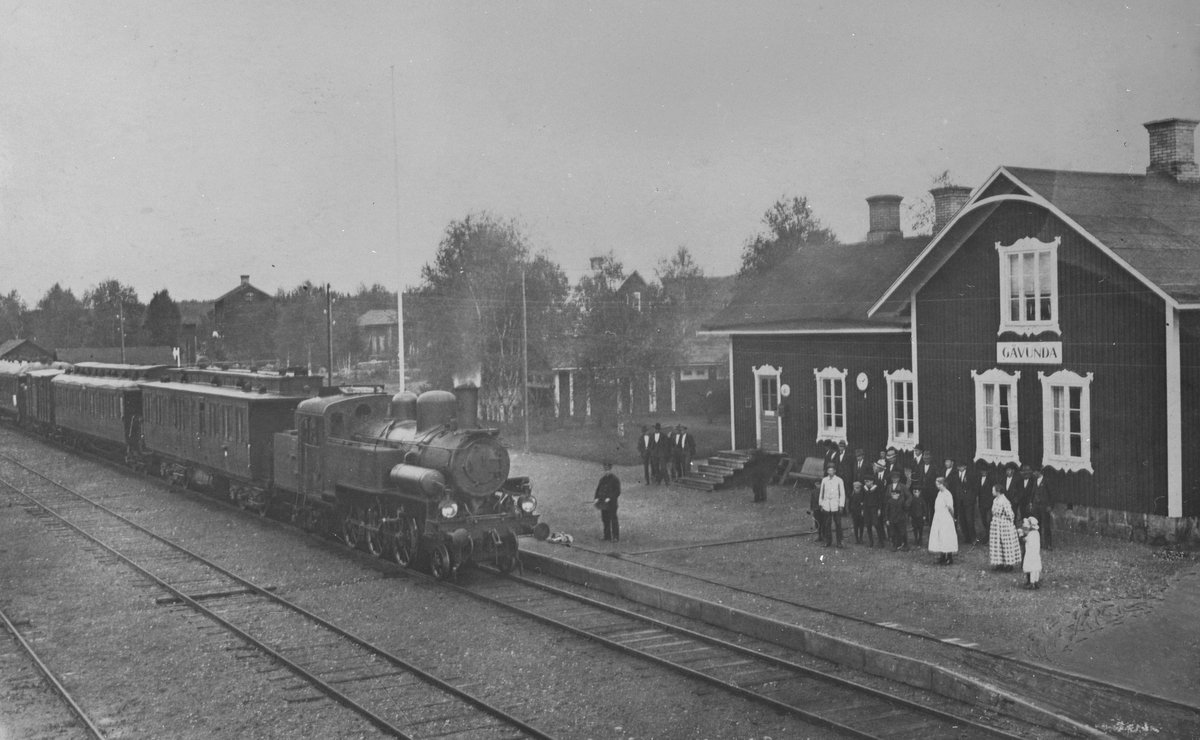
(897, 511)
(893, 464)
(660, 453)
(862, 467)
(981, 486)
(874, 506)
(959, 484)
(608, 490)
(1025, 495)
(832, 499)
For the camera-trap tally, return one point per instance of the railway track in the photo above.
(395, 696)
(23, 678)
(758, 671)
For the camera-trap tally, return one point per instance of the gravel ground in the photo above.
(145, 666)
(1090, 583)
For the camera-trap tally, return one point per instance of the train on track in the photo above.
(414, 479)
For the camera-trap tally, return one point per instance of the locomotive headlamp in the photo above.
(528, 504)
(449, 509)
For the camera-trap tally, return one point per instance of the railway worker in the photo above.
(874, 503)
(832, 499)
(857, 507)
(608, 490)
(646, 451)
(683, 451)
(897, 512)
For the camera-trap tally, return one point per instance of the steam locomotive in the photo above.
(414, 479)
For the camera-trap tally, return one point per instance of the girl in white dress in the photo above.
(1032, 565)
(943, 539)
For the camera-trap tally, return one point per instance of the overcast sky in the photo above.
(180, 145)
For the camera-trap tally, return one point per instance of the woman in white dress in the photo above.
(943, 539)
(1004, 550)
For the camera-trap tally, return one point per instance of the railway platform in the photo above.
(1107, 658)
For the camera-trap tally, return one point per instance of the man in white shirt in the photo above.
(831, 500)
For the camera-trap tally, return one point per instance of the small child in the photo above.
(1032, 564)
(918, 512)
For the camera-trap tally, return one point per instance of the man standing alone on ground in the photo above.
(832, 500)
(607, 493)
(683, 451)
(660, 453)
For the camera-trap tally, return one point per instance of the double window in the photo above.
(1029, 286)
(902, 409)
(996, 416)
(831, 404)
(1066, 420)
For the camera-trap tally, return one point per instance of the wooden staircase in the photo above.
(713, 472)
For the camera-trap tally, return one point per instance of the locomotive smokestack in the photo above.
(468, 407)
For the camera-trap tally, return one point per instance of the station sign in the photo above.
(1029, 353)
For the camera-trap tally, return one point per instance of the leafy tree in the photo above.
(681, 278)
(920, 212)
(14, 317)
(162, 320)
(468, 311)
(789, 225)
(115, 309)
(59, 319)
(622, 342)
(302, 331)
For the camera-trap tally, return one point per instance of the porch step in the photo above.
(714, 472)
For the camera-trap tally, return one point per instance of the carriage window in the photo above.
(201, 416)
(336, 424)
(363, 411)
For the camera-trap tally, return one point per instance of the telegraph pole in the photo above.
(525, 357)
(399, 251)
(329, 326)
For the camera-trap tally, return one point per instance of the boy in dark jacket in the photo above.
(874, 502)
(897, 513)
(918, 512)
(856, 504)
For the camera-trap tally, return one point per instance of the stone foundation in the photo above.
(1148, 529)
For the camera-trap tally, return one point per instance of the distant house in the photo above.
(245, 322)
(24, 350)
(380, 332)
(159, 355)
(195, 318)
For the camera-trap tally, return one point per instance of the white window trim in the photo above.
(901, 376)
(998, 377)
(688, 374)
(835, 434)
(1067, 379)
(760, 373)
(1026, 246)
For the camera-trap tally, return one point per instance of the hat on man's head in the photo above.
(981, 464)
(858, 452)
(1010, 465)
(880, 464)
(895, 473)
(657, 425)
(841, 443)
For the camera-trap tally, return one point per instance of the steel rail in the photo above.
(732, 647)
(261, 591)
(58, 687)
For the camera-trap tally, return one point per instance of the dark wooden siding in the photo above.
(1112, 326)
(798, 356)
(1189, 360)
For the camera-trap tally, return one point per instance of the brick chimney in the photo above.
(245, 279)
(1173, 149)
(885, 218)
(947, 201)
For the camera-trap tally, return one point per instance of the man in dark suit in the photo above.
(683, 450)
(863, 468)
(660, 454)
(646, 451)
(1021, 504)
(893, 464)
(845, 466)
(924, 477)
(981, 486)
(960, 484)
(1041, 506)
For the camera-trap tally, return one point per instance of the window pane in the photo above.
(1045, 283)
(1014, 287)
(1005, 433)
(1028, 289)
(989, 416)
(1076, 422)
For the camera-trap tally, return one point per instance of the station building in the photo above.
(1053, 320)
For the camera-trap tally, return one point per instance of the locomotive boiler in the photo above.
(407, 478)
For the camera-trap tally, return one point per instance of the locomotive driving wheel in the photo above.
(372, 536)
(351, 529)
(440, 564)
(402, 541)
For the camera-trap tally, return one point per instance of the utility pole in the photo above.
(525, 358)
(329, 326)
(396, 188)
(121, 322)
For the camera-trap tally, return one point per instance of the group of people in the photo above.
(885, 499)
(666, 455)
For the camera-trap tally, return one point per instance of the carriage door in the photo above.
(770, 431)
(310, 454)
